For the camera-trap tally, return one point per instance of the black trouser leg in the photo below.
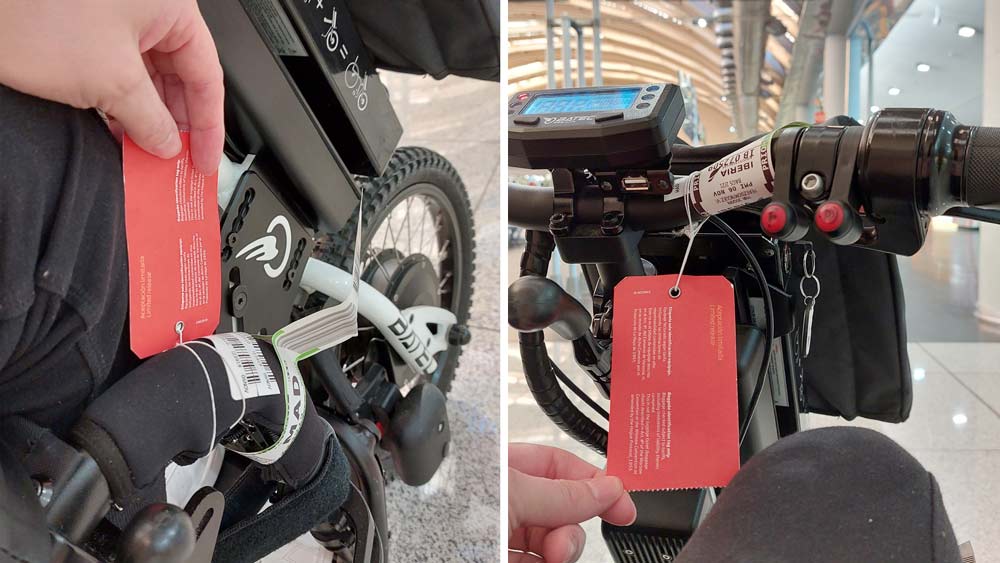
(63, 284)
(829, 495)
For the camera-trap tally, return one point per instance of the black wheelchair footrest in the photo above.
(636, 544)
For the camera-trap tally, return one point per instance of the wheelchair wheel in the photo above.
(418, 249)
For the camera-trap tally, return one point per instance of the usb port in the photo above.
(635, 183)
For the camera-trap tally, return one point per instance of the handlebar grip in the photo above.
(982, 167)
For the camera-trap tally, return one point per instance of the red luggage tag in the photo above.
(172, 232)
(674, 413)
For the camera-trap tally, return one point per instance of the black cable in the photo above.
(768, 316)
(579, 392)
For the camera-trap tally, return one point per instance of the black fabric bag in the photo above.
(858, 364)
(435, 37)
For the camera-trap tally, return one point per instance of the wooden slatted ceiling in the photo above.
(638, 46)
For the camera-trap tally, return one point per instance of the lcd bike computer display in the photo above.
(598, 128)
(584, 101)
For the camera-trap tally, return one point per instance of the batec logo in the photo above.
(265, 249)
(567, 119)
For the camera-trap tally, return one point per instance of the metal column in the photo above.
(596, 26)
(566, 23)
(550, 47)
(566, 48)
(835, 75)
(854, 79)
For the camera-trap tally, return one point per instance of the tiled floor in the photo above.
(455, 517)
(954, 428)
(941, 287)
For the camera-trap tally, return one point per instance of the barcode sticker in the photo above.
(249, 374)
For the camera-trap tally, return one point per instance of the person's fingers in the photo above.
(549, 462)
(522, 557)
(536, 501)
(621, 513)
(528, 538)
(117, 131)
(196, 63)
(555, 463)
(173, 96)
(154, 75)
(564, 545)
(138, 107)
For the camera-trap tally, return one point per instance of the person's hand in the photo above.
(549, 492)
(151, 65)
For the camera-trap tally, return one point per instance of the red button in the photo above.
(774, 218)
(829, 217)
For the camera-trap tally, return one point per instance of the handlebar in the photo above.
(531, 207)
(891, 175)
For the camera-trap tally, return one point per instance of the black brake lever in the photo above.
(975, 214)
(535, 303)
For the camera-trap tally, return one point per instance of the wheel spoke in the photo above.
(443, 251)
(423, 221)
(444, 280)
(351, 365)
(388, 223)
(382, 268)
(385, 234)
(409, 233)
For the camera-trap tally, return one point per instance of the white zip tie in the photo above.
(691, 231)
(211, 395)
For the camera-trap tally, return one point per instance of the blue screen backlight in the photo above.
(576, 102)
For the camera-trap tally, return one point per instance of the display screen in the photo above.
(575, 102)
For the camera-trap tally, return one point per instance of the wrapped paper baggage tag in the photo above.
(304, 338)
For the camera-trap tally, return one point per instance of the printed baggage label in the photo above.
(172, 233)
(742, 177)
(250, 376)
(674, 412)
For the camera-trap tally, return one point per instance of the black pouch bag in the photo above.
(435, 37)
(858, 363)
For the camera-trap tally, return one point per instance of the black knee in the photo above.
(832, 494)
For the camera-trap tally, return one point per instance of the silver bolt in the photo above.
(440, 427)
(43, 490)
(812, 186)
(667, 557)
(629, 552)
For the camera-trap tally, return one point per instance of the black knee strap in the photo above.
(292, 516)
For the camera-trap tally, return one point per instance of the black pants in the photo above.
(833, 495)
(63, 281)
